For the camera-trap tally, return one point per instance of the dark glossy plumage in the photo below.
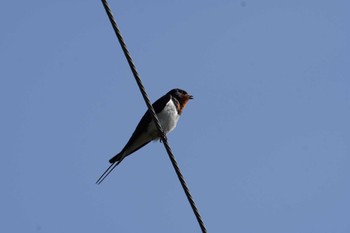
(168, 109)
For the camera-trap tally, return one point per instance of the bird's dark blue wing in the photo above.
(142, 126)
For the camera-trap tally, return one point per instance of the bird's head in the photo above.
(182, 96)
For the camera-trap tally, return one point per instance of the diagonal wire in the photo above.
(154, 116)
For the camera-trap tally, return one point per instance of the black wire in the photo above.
(154, 116)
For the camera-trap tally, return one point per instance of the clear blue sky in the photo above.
(264, 146)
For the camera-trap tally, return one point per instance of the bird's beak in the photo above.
(190, 97)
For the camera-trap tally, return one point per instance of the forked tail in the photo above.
(116, 158)
(115, 161)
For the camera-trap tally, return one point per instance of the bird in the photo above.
(168, 109)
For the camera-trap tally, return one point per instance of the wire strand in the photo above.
(154, 116)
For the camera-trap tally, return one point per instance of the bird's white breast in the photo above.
(168, 118)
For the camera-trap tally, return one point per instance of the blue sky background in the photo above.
(264, 146)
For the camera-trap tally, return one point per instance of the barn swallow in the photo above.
(168, 109)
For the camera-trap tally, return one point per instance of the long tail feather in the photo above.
(108, 170)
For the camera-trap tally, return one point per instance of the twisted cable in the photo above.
(154, 116)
